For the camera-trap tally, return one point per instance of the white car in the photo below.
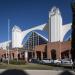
(51, 61)
(57, 61)
(64, 61)
(47, 61)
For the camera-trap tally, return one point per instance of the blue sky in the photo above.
(29, 13)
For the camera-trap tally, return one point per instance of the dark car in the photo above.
(34, 60)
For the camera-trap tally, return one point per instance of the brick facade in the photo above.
(59, 47)
(42, 51)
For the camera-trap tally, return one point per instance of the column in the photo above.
(41, 55)
(49, 54)
(60, 50)
(26, 56)
(11, 56)
(48, 51)
(35, 55)
(17, 54)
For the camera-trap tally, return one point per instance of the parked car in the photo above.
(66, 61)
(57, 61)
(35, 60)
(50, 61)
(45, 61)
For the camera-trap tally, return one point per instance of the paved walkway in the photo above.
(45, 72)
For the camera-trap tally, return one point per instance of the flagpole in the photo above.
(8, 38)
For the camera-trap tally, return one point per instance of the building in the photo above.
(39, 47)
(57, 31)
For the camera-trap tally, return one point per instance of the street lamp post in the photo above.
(8, 39)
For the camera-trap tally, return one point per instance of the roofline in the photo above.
(41, 36)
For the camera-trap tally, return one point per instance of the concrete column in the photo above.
(35, 55)
(26, 56)
(11, 56)
(41, 55)
(17, 55)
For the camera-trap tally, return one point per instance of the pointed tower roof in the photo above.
(16, 28)
(54, 10)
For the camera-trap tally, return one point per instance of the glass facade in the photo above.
(33, 40)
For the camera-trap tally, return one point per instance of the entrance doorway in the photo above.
(38, 55)
(29, 55)
(53, 54)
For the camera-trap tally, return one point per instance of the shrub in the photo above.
(15, 62)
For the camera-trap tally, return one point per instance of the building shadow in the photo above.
(66, 73)
(14, 72)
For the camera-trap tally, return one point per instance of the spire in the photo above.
(16, 28)
(54, 10)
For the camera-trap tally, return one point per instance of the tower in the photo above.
(55, 25)
(16, 37)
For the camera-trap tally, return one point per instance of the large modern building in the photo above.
(56, 30)
(38, 46)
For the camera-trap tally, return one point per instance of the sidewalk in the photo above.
(45, 72)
